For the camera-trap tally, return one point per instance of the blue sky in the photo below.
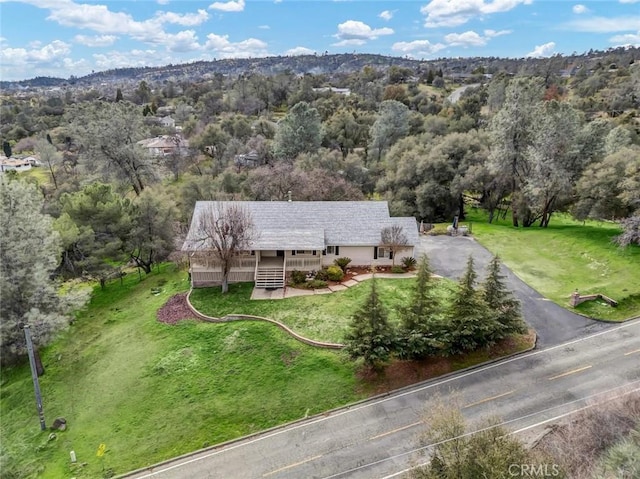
(74, 37)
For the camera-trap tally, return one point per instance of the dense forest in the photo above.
(522, 140)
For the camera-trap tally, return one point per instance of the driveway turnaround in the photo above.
(381, 438)
(553, 324)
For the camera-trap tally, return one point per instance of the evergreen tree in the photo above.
(95, 223)
(418, 324)
(471, 323)
(151, 238)
(6, 147)
(370, 336)
(501, 302)
(28, 256)
(300, 131)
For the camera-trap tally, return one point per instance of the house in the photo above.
(248, 160)
(14, 164)
(167, 122)
(299, 235)
(166, 145)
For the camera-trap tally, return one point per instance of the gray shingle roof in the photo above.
(313, 224)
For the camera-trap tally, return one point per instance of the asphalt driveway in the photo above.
(553, 324)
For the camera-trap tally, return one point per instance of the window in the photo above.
(384, 253)
(333, 250)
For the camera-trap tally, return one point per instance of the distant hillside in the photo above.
(340, 63)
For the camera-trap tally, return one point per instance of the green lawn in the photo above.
(151, 391)
(320, 317)
(566, 256)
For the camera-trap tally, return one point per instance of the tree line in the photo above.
(527, 146)
(429, 326)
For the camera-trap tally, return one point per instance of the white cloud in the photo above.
(231, 6)
(473, 39)
(542, 51)
(95, 41)
(95, 17)
(300, 51)
(449, 13)
(48, 54)
(185, 41)
(186, 19)
(354, 32)
(466, 39)
(417, 47)
(493, 33)
(116, 59)
(163, 2)
(627, 39)
(386, 15)
(222, 47)
(579, 9)
(605, 24)
(264, 27)
(51, 59)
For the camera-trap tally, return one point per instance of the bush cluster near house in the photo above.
(475, 318)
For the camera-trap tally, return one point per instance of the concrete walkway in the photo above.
(288, 292)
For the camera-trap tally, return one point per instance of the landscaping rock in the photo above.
(60, 424)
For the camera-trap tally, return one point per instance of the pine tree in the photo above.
(418, 325)
(29, 254)
(501, 302)
(471, 323)
(370, 337)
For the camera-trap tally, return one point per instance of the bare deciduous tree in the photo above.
(394, 238)
(225, 230)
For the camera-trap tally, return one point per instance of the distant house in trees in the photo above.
(299, 235)
(167, 122)
(331, 89)
(16, 164)
(166, 145)
(248, 160)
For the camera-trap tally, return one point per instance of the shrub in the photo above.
(397, 269)
(342, 262)
(322, 275)
(316, 284)
(298, 277)
(409, 262)
(335, 273)
(438, 230)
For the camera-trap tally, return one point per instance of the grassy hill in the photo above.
(566, 256)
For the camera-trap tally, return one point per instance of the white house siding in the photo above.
(303, 261)
(203, 278)
(363, 256)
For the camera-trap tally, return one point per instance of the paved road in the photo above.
(457, 93)
(553, 324)
(380, 438)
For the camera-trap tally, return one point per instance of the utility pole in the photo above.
(34, 375)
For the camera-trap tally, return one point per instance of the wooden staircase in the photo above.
(269, 277)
